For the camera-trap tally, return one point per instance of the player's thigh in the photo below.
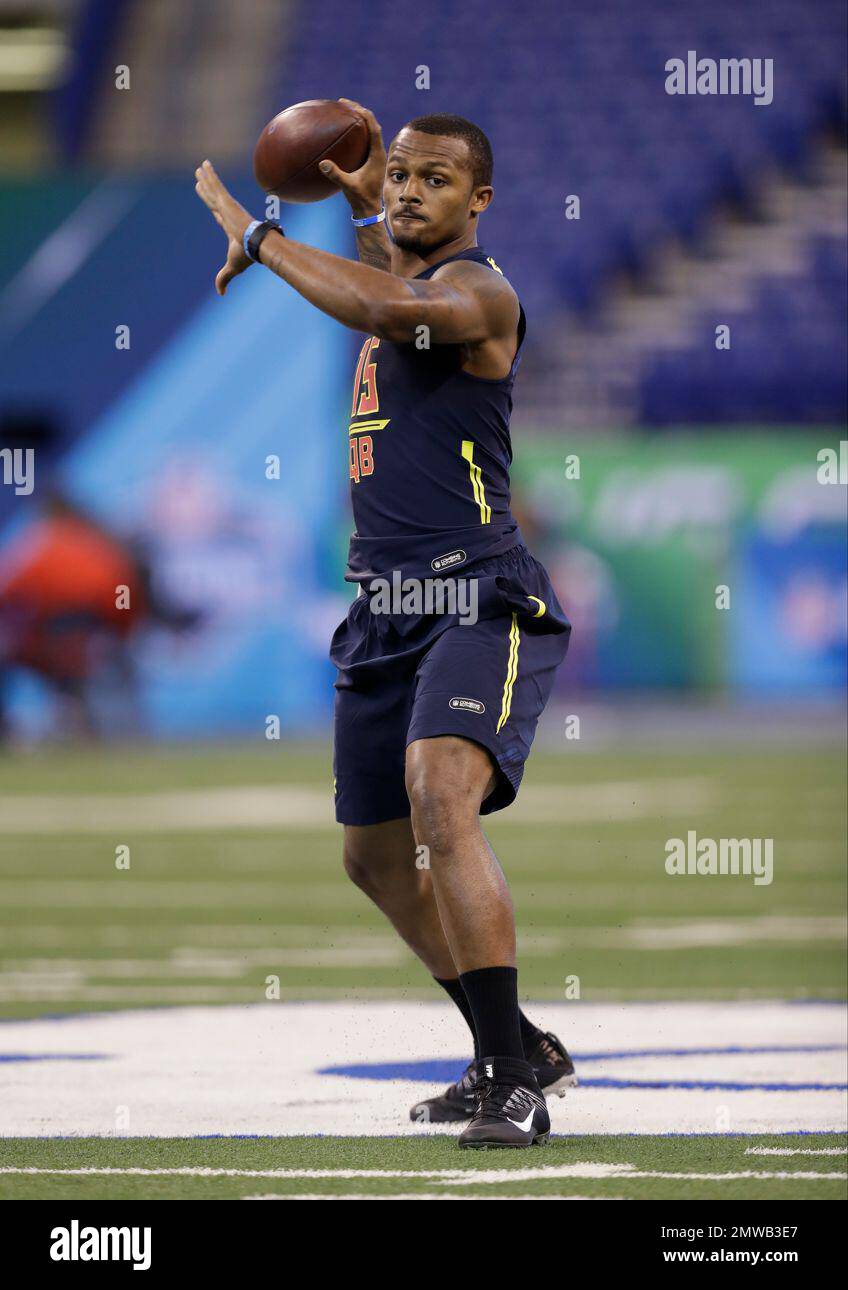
(488, 682)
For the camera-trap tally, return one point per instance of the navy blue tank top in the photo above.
(430, 455)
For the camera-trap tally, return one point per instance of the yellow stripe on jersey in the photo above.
(511, 672)
(366, 427)
(476, 481)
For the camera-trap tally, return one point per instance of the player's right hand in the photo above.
(363, 188)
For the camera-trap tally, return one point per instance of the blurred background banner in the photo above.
(697, 562)
(682, 259)
(217, 459)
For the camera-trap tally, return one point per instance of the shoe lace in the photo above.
(499, 1099)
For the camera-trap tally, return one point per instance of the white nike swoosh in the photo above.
(524, 1125)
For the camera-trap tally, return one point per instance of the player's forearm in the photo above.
(360, 296)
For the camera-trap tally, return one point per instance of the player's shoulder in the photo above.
(484, 279)
(478, 270)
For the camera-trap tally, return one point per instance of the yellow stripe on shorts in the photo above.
(476, 481)
(511, 672)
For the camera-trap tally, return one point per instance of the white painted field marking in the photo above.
(286, 806)
(256, 1070)
(196, 939)
(204, 963)
(65, 989)
(122, 893)
(208, 893)
(448, 1177)
(795, 1151)
(143, 997)
(82, 979)
(731, 931)
(413, 1195)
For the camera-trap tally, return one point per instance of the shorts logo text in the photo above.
(468, 705)
(447, 561)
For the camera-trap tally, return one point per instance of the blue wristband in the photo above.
(369, 219)
(255, 234)
(254, 224)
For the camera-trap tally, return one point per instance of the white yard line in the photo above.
(185, 963)
(730, 931)
(342, 947)
(286, 806)
(413, 1195)
(795, 1151)
(121, 891)
(448, 1177)
(194, 939)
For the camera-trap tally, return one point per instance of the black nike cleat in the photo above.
(456, 1103)
(552, 1066)
(511, 1110)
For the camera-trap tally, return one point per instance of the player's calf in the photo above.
(381, 860)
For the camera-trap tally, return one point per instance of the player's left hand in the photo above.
(231, 216)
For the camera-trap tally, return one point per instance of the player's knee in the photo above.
(440, 807)
(358, 870)
(354, 868)
(377, 874)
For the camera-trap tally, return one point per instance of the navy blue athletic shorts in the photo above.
(407, 676)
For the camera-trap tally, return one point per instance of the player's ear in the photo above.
(481, 198)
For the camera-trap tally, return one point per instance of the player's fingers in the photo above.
(375, 132)
(332, 172)
(210, 179)
(223, 278)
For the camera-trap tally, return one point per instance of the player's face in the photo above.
(429, 193)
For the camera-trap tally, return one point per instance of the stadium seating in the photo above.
(587, 114)
(573, 98)
(788, 362)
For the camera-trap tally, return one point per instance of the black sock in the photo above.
(453, 987)
(530, 1034)
(493, 997)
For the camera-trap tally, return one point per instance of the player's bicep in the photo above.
(461, 304)
(470, 304)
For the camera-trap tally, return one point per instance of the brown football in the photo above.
(286, 157)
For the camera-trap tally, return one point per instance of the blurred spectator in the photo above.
(72, 595)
